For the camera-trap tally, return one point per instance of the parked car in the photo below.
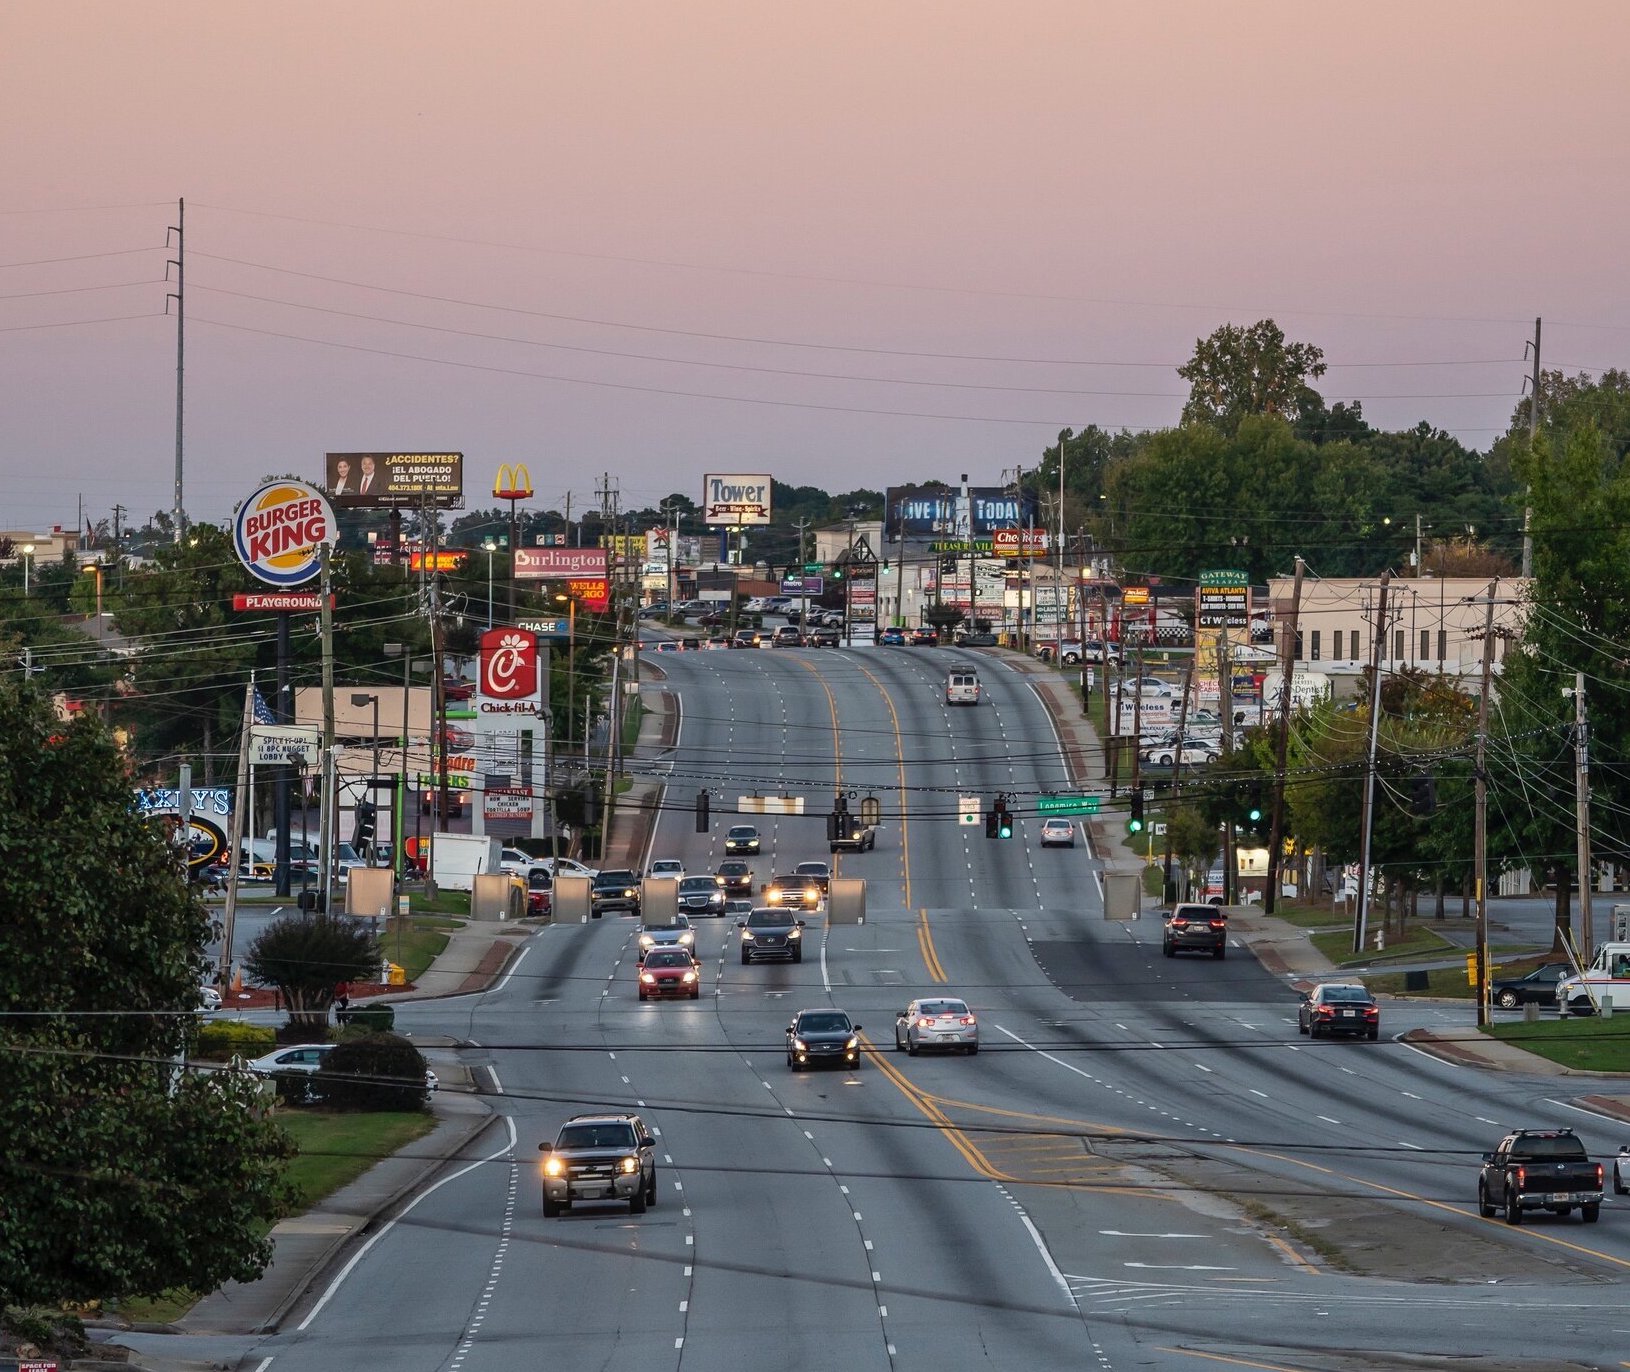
(209, 998)
(1147, 686)
(977, 641)
(1537, 987)
(1335, 1007)
(1196, 751)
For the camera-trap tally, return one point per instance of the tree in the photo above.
(119, 1175)
(306, 956)
(1242, 371)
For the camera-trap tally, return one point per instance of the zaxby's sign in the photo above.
(509, 682)
(280, 530)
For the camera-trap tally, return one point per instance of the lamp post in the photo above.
(398, 839)
(28, 552)
(364, 698)
(95, 569)
(491, 547)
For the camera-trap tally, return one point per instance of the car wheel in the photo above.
(972, 1049)
(797, 954)
(1507, 1000)
(1165, 760)
(900, 1047)
(1220, 951)
(1590, 1213)
(696, 994)
(1374, 1034)
(1513, 1211)
(651, 1188)
(1167, 949)
(594, 914)
(642, 997)
(1619, 1188)
(745, 959)
(551, 1208)
(1483, 1207)
(1300, 1027)
(1580, 1005)
(636, 1202)
(1312, 1030)
(911, 1048)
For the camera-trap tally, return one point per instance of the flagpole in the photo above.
(236, 841)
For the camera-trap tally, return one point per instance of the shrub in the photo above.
(373, 1019)
(220, 1039)
(373, 1072)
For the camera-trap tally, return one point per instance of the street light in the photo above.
(491, 547)
(28, 552)
(364, 698)
(95, 568)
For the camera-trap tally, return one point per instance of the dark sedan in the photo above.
(1533, 988)
(736, 877)
(701, 896)
(822, 1037)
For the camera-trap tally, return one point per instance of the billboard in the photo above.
(921, 511)
(733, 500)
(560, 564)
(509, 682)
(279, 532)
(369, 479)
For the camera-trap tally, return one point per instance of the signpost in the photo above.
(1067, 805)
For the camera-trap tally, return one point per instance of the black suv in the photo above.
(771, 934)
(1196, 928)
(614, 889)
(600, 1157)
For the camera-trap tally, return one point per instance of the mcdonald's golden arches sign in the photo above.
(513, 483)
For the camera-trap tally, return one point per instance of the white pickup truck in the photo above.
(1607, 976)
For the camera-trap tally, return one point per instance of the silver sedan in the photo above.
(936, 1022)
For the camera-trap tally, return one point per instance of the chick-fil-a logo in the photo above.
(509, 664)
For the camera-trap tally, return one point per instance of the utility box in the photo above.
(846, 901)
(1123, 895)
(659, 900)
(457, 859)
(370, 891)
(497, 895)
(571, 898)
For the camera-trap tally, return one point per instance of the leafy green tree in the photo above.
(305, 956)
(120, 1175)
(1239, 371)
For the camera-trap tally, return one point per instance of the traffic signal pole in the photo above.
(1281, 747)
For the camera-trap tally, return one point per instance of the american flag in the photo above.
(261, 710)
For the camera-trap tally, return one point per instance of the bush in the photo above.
(373, 1019)
(295, 1088)
(220, 1039)
(373, 1072)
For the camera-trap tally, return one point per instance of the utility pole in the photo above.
(802, 524)
(1058, 587)
(1281, 747)
(1367, 808)
(1480, 821)
(1581, 805)
(179, 295)
(1225, 705)
(326, 809)
(1177, 773)
(1533, 429)
(118, 526)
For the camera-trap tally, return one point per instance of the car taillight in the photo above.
(1327, 1010)
(1522, 1177)
(1372, 1012)
(926, 1022)
(968, 1019)
(1179, 923)
(1599, 1174)
(1219, 924)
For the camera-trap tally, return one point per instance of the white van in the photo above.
(962, 687)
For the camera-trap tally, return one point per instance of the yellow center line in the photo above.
(953, 1135)
(925, 941)
(1232, 1362)
(900, 772)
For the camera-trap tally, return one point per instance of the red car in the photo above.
(540, 895)
(457, 688)
(670, 972)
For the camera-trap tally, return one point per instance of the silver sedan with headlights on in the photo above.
(936, 1022)
(676, 933)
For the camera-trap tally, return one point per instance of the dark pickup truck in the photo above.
(1540, 1169)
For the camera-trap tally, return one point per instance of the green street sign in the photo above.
(1067, 805)
(814, 566)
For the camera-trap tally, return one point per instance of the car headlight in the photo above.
(553, 1167)
(746, 935)
(630, 1164)
(688, 977)
(795, 932)
(646, 941)
(853, 1045)
(686, 939)
(629, 891)
(798, 1046)
(648, 978)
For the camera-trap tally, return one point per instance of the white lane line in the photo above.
(1328, 1120)
(1583, 1110)
(1255, 1092)
(497, 1085)
(1405, 1143)
(263, 1364)
(390, 1224)
(1047, 1258)
(1202, 1067)
(514, 967)
(1484, 1119)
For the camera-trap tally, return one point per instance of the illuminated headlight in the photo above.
(746, 935)
(688, 977)
(553, 1167)
(799, 1046)
(646, 941)
(686, 939)
(629, 891)
(795, 932)
(629, 1165)
(853, 1046)
(648, 978)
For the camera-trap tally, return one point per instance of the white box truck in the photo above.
(457, 859)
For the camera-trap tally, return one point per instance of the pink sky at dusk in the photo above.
(823, 193)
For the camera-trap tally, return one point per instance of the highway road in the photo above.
(1145, 1166)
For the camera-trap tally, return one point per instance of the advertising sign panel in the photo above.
(1223, 600)
(364, 479)
(510, 803)
(1019, 542)
(557, 564)
(513, 482)
(272, 745)
(919, 511)
(509, 682)
(279, 532)
(591, 595)
(733, 500)
(309, 601)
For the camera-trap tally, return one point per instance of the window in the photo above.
(1355, 649)
(1426, 644)
(1314, 655)
(1443, 645)
(1398, 643)
(1298, 653)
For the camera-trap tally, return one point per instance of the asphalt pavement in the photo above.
(309, 1246)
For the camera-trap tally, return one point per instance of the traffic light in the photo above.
(834, 827)
(1004, 821)
(838, 570)
(1134, 821)
(362, 831)
(1255, 813)
(701, 812)
(1424, 795)
(990, 823)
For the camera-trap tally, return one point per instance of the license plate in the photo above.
(944, 1036)
(1557, 1197)
(1348, 1014)
(591, 1192)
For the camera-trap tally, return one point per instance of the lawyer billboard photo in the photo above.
(370, 479)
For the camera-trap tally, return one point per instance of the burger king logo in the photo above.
(280, 530)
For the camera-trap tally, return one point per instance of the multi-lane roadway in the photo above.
(1144, 1167)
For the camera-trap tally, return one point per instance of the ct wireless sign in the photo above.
(280, 530)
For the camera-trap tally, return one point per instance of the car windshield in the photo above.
(618, 878)
(667, 958)
(669, 926)
(824, 1022)
(795, 880)
(942, 1007)
(732, 869)
(1562, 1147)
(596, 1136)
(761, 919)
(812, 869)
(691, 886)
(1346, 993)
(742, 831)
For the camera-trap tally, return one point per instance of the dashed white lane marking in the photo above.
(506, 1229)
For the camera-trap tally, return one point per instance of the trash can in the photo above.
(1417, 981)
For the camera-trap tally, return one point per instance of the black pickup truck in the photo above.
(1540, 1169)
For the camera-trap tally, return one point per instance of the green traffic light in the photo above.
(1255, 816)
(1134, 826)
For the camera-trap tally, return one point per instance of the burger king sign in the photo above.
(280, 530)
